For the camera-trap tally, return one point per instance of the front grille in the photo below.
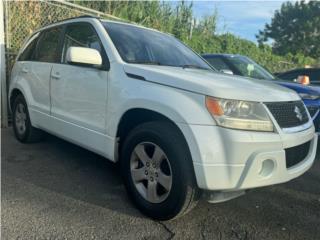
(312, 110)
(289, 114)
(296, 154)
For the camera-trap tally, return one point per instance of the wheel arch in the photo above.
(137, 116)
(13, 95)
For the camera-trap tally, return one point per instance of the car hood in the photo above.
(212, 84)
(312, 90)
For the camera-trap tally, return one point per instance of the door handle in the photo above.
(55, 75)
(25, 70)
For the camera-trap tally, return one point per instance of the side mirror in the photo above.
(304, 80)
(82, 55)
(226, 71)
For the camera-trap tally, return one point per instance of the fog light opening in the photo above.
(267, 168)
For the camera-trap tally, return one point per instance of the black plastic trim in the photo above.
(131, 75)
(162, 84)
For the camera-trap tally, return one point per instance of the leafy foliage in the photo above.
(200, 35)
(295, 28)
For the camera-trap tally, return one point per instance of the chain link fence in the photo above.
(21, 18)
(24, 17)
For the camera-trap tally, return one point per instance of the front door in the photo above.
(79, 93)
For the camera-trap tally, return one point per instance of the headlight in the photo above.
(308, 96)
(239, 114)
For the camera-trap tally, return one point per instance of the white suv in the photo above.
(179, 129)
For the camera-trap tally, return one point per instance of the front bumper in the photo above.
(231, 160)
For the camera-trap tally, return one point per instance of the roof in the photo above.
(60, 22)
(97, 18)
(133, 25)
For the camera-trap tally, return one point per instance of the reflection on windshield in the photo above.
(143, 46)
(249, 68)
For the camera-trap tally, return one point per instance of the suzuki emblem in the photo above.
(298, 113)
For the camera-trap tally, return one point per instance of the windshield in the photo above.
(249, 68)
(139, 45)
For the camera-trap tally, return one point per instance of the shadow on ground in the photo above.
(69, 179)
(67, 169)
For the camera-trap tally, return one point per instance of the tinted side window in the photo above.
(288, 76)
(81, 35)
(314, 75)
(217, 63)
(28, 53)
(48, 46)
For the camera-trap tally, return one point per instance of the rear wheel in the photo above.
(158, 171)
(22, 127)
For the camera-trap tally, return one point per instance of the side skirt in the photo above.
(94, 141)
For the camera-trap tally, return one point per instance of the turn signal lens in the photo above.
(304, 80)
(214, 107)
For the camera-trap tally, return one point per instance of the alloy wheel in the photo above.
(151, 172)
(20, 118)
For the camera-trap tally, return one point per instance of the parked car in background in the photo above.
(244, 66)
(179, 129)
(293, 75)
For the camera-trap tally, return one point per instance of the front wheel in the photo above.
(158, 172)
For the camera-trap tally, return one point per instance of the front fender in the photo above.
(178, 105)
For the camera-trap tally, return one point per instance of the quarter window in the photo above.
(28, 52)
(48, 46)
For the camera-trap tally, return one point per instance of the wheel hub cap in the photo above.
(20, 118)
(151, 172)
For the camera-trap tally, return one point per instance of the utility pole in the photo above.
(192, 23)
(4, 108)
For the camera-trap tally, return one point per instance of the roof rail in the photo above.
(82, 16)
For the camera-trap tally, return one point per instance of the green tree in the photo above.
(179, 20)
(182, 20)
(295, 28)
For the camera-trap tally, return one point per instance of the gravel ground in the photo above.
(56, 190)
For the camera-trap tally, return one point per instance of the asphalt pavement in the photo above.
(57, 190)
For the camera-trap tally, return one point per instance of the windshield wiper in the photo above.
(161, 64)
(153, 63)
(146, 62)
(193, 66)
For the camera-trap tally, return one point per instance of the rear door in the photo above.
(78, 92)
(22, 67)
(39, 69)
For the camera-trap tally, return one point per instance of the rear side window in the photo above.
(81, 35)
(48, 46)
(29, 51)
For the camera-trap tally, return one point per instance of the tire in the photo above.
(22, 127)
(180, 194)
